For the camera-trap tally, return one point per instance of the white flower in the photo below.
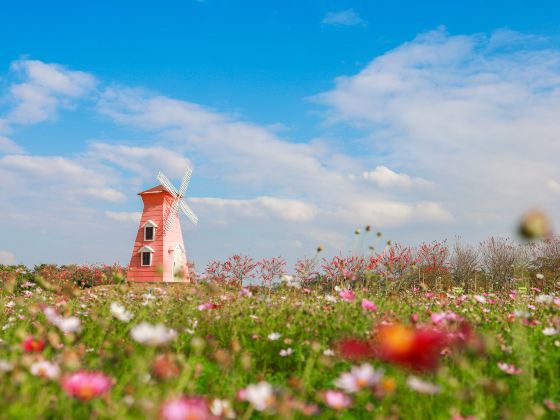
(421, 386)
(550, 331)
(45, 369)
(69, 325)
(10, 304)
(358, 378)
(540, 276)
(260, 395)
(286, 352)
(480, 298)
(274, 336)
(152, 335)
(120, 312)
(66, 325)
(222, 408)
(5, 365)
(328, 352)
(546, 299)
(330, 298)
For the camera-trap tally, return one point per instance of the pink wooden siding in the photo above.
(157, 204)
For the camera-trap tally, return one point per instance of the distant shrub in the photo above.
(464, 265)
(498, 262)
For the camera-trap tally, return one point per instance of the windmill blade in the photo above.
(167, 184)
(189, 213)
(171, 216)
(185, 182)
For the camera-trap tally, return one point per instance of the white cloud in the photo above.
(123, 216)
(284, 209)
(8, 146)
(553, 185)
(7, 258)
(343, 18)
(146, 161)
(477, 115)
(44, 89)
(386, 178)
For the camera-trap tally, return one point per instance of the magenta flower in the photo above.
(347, 295)
(368, 305)
(183, 408)
(86, 385)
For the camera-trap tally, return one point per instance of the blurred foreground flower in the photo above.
(421, 386)
(183, 408)
(152, 335)
(120, 312)
(368, 305)
(358, 378)
(347, 295)
(509, 369)
(260, 396)
(336, 399)
(45, 369)
(66, 325)
(535, 224)
(33, 345)
(86, 385)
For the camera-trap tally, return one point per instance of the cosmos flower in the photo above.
(286, 352)
(86, 385)
(421, 386)
(347, 295)
(274, 336)
(368, 305)
(416, 348)
(222, 408)
(358, 378)
(45, 369)
(33, 345)
(336, 399)
(509, 369)
(260, 396)
(183, 408)
(550, 331)
(152, 335)
(544, 299)
(120, 312)
(207, 306)
(66, 325)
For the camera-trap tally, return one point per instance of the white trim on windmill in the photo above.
(149, 230)
(146, 248)
(178, 202)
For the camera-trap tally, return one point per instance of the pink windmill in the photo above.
(159, 252)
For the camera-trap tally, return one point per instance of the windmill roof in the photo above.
(154, 190)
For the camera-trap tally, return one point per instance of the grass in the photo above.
(218, 352)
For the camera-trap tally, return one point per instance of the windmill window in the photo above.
(149, 233)
(146, 258)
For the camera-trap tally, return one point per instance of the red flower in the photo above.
(33, 345)
(418, 349)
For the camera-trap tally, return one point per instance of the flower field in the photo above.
(347, 341)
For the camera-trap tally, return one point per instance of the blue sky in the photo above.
(301, 119)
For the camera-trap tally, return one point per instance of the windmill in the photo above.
(178, 202)
(159, 252)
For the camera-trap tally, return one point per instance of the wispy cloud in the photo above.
(343, 18)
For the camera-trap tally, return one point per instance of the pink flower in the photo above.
(183, 408)
(207, 306)
(509, 369)
(336, 399)
(347, 295)
(86, 385)
(368, 305)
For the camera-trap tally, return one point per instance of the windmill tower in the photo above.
(159, 254)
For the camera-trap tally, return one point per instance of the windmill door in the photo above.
(178, 270)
